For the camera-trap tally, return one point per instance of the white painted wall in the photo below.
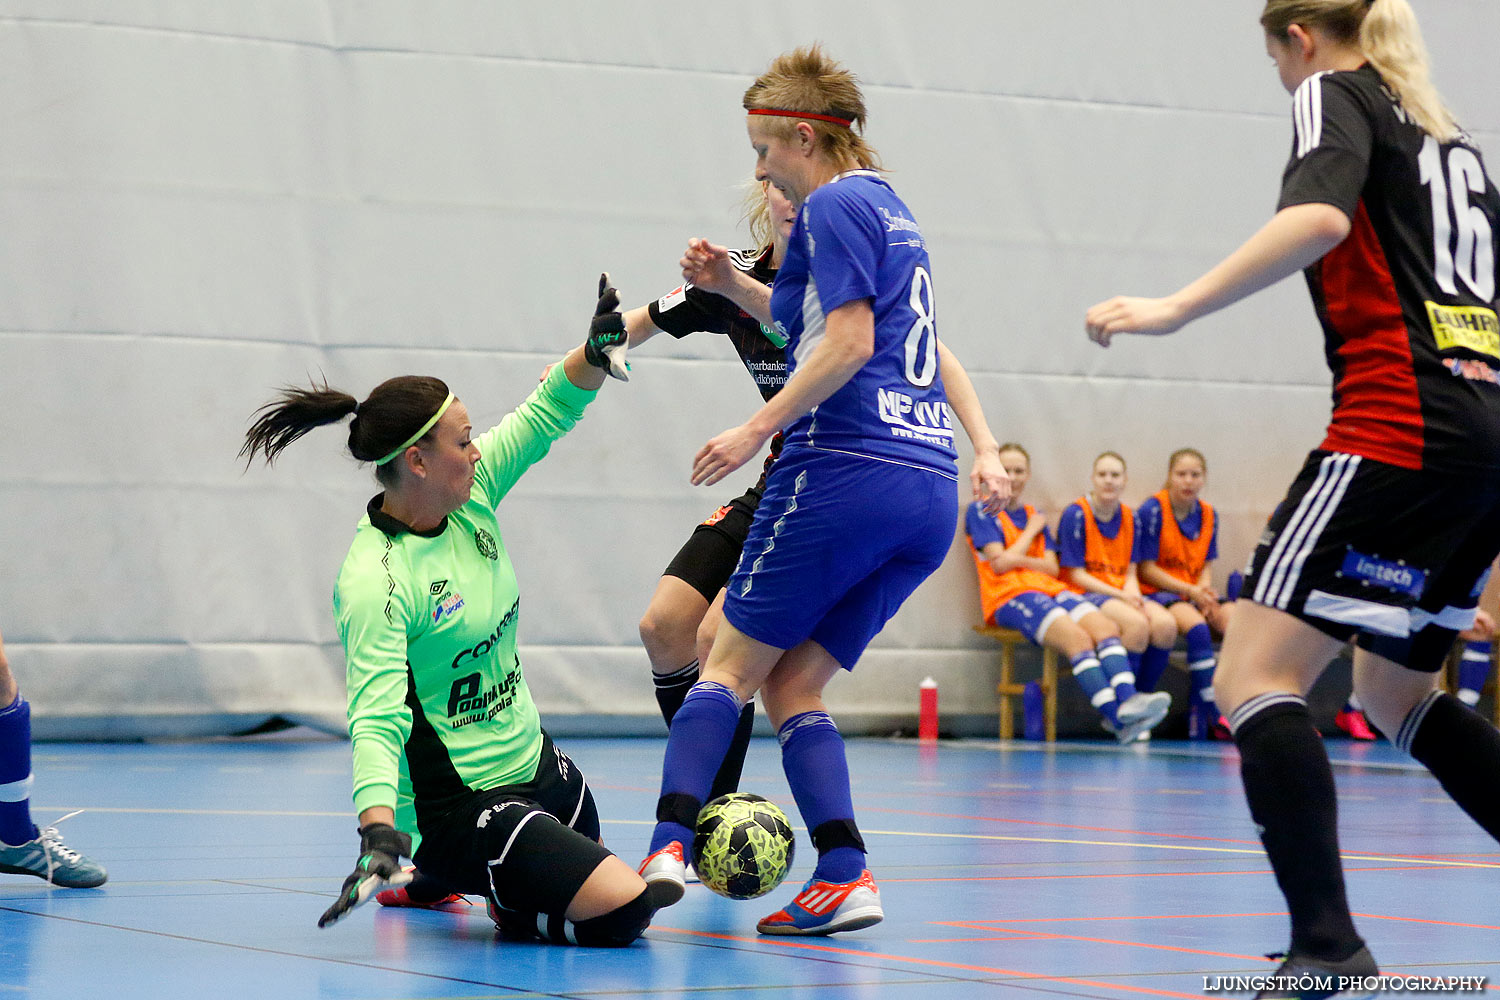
(201, 201)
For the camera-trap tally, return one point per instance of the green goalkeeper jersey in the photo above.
(438, 705)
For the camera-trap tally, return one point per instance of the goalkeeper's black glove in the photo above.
(381, 848)
(608, 340)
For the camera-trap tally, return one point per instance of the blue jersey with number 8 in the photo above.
(855, 239)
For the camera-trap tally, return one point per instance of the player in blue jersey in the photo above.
(860, 507)
(25, 849)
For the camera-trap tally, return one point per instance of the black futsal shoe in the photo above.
(1301, 977)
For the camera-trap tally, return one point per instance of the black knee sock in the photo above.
(1289, 786)
(728, 778)
(1461, 750)
(672, 688)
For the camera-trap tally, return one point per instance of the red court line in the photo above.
(1057, 826)
(1128, 832)
(1419, 920)
(1112, 829)
(880, 956)
(979, 940)
(982, 924)
(1040, 935)
(1197, 874)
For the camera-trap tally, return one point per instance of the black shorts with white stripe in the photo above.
(529, 846)
(1392, 557)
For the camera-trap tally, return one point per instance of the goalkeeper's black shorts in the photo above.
(529, 846)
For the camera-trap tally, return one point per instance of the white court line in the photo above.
(1255, 851)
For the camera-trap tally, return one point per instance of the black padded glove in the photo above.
(381, 848)
(608, 340)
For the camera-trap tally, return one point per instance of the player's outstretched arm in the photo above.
(603, 353)
(988, 477)
(381, 847)
(707, 266)
(1295, 238)
(638, 325)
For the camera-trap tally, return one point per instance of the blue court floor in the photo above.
(1080, 870)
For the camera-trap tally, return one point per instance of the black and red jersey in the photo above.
(1407, 301)
(687, 309)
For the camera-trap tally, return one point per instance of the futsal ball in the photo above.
(743, 846)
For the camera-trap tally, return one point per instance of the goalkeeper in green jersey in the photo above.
(448, 747)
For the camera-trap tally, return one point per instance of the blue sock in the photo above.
(1201, 665)
(1119, 665)
(1090, 676)
(1234, 585)
(701, 732)
(1473, 669)
(15, 773)
(812, 755)
(1153, 665)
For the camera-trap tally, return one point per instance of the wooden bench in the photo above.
(1010, 688)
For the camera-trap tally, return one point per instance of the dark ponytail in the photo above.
(394, 411)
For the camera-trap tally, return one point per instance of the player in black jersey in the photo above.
(679, 624)
(1387, 532)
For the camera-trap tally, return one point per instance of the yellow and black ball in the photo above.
(743, 846)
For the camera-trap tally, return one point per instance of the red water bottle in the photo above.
(927, 716)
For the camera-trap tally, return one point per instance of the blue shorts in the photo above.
(1098, 600)
(837, 544)
(1165, 598)
(1033, 612)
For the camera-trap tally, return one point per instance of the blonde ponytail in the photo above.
(757, 213)
(1387, 34)
(1392, 41)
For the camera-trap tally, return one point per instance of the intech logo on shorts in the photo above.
(1396, 576)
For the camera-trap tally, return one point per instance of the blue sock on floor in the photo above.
(701, 733)
(1201, 665)
(15, 773)
(812, 754)
(1119, 665)
(1090, 676)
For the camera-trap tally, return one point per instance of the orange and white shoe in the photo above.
(827, 908)
(665, 873)
(401, 896)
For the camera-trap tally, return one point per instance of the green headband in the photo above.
(424, 429)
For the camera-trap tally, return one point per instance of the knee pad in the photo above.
(618, 927)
